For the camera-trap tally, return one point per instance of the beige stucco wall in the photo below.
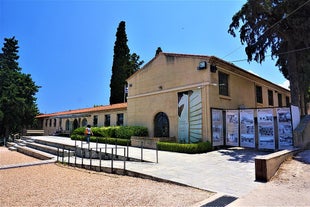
(155, 89)
(51, 128)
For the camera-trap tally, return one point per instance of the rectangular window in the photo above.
(279, 99)
(120, 120)
(287, 100)
(270, 97)
(107, 120)
(95, 120)
(259, 94)
(223, 84)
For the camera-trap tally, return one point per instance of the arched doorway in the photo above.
(75, 124)
(84, 122)
(161, 125)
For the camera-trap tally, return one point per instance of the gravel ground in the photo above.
(58, 185)
(289, 187)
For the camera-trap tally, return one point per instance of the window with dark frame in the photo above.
(287, 100)
(223, 84)
(259, 94)
(280, 100)
(120, 120)
(107, 120)
(95, 120)
(270, 97)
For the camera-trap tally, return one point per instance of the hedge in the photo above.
(123, 132)
(200, 147)
(123, 142)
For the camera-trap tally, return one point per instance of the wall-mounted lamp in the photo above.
(202, 65)
(213, 68)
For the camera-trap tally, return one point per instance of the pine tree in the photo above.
(17, 92)
(284, 28)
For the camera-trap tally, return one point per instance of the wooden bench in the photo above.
(35, 132)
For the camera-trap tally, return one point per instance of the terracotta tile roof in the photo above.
(86, 110)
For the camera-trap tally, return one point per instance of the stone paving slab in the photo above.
(227, 171)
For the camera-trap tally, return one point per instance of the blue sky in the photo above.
(67, 45)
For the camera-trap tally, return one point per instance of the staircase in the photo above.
(42, 151)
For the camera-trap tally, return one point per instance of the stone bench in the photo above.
(266, 166)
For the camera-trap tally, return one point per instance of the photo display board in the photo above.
(266, 138)
(285, 128)
(247, 128)
(232, 127)
(217, 127)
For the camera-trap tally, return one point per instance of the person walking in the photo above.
(88, 132)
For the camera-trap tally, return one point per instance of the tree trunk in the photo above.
(294, 79)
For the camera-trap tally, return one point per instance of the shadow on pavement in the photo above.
(243, 155)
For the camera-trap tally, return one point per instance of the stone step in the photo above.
(35, 153)
(13, 148)
(49, 149)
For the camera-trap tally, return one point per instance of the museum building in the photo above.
(173, 96)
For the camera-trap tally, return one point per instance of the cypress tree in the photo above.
(121, 64)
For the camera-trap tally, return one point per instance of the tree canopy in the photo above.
(124, 65)
(283, 27)
(18, 106)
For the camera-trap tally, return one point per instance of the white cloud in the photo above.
(285, 84)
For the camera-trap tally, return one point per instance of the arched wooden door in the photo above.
(161, 125)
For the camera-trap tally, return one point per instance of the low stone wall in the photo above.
(149, 142)
(266, 166)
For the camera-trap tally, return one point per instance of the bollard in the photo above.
(68, 157)
(97, 145)
(141, 151)
(57, 154)
(90, 157)
(75, 156)
(156, 153)
(112, 161)
(106, 145)
(100, 161)
(127, 149)
(116, 147)
(82, 155)
(63, 153)
(124, 159)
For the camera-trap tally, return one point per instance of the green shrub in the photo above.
(108, 131)
(78, 131)
(125, 132)
(122, 142)
(199, 147)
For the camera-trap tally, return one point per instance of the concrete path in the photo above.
(228, 172)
